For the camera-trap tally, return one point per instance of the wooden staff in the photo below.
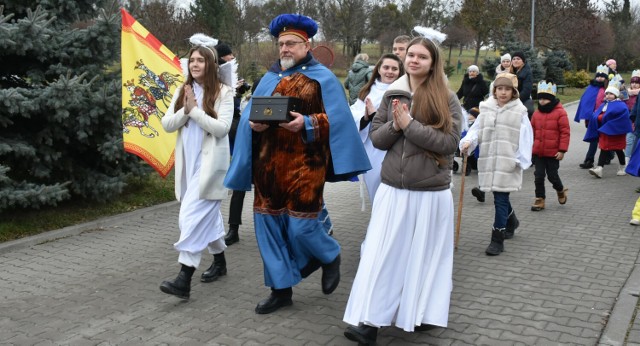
(463, 174)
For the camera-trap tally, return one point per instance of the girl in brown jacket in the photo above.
(405, 273)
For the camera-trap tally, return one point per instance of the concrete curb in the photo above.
(77, 229)
(621, 316)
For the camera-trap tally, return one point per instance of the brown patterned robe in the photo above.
(288, 172)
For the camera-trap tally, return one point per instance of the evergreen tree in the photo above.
(60, 128)
(555, 63)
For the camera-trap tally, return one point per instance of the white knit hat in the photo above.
(505, 57)
(613, 90)
(473, 68)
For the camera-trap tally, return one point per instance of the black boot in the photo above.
(311, 267)
(277, 299)
(331, 276)
(217, 269)
(478, 194)
(181, 286)
(497, 242)
(512, 225)
(363, 334)
(232, 236)
(586, 164)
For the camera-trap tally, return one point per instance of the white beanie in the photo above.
(473, 68)
(614, 90)
(505, 57)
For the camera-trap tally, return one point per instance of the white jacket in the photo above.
(215, 153)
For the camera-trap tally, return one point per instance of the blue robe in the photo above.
(288, 241)
(614, 122)
(587, 103)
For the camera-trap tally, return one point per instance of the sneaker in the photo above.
(634, 222)
(596, 172)
(621, 171)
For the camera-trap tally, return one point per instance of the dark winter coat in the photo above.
(356, 79)
(551, 132)
(525, 82)
(473, 90)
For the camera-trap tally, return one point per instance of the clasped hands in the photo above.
(294, 125)
(189, 99)
(401, 116)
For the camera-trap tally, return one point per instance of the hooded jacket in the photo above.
(356, 79)
(551, 132)
(406, 164)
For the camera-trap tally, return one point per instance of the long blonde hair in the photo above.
(430, 104)
(211, 84)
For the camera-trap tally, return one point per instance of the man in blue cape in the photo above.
(288, 164)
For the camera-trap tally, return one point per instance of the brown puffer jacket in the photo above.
(407, 164)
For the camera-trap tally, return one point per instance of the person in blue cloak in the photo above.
(591, 100)
(608, 126)
(288, 164)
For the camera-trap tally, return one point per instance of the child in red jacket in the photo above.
(550, 142)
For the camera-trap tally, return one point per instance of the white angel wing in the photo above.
(229, 73)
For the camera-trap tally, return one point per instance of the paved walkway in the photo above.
(568, 277)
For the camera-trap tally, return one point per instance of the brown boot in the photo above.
(538, 204)
(562, 196)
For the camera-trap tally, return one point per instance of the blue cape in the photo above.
(633, 167)
(587, 103)
(614, 122)
(347, 151)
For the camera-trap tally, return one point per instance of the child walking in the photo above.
(504, 134)
(609, 126)
(590, 100)
(551, 134)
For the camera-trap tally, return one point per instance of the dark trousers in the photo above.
(591, 153)
(235, 207)
(606, 155)
(503, 209)
(546, 166)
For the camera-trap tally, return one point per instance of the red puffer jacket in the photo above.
(550, 132)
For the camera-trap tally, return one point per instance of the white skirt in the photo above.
(405, 273)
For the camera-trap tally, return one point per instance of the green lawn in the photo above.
(140, 193)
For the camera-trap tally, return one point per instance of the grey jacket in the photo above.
(406, 164)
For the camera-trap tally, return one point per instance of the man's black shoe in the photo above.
(311, 267)
(232, 236)
(275, 301)
(331, 276)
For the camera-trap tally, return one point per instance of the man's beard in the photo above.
(287, 62)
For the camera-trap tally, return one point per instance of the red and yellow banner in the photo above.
(150, 75)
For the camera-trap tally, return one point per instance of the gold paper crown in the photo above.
(614, 84)
(635, 73)
(547, 88)
(602, 69)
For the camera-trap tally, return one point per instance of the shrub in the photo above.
(577, 79)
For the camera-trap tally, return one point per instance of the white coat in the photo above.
(215, 145)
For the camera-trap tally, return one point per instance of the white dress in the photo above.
(405, 273)
(200, 221)
(371, 177)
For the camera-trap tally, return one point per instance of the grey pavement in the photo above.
(569, 277)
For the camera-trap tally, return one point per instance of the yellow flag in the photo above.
(150, 75)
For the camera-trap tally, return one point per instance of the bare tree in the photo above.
(482, 17)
